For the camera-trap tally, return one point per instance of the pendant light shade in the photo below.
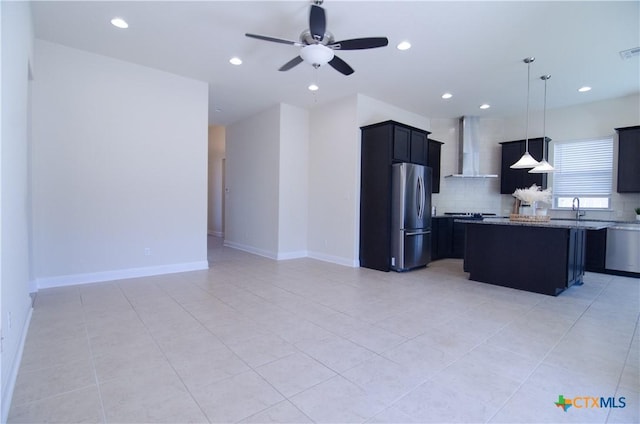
(544, 167)
(526, 161)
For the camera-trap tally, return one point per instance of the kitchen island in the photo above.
(541, 257)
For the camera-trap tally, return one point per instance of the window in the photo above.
(584, 169)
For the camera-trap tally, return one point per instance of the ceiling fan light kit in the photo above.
(318, 45)
(316, 55)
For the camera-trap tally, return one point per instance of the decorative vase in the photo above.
(541, 212)
(526, 210)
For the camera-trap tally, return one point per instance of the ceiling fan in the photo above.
(318, 45)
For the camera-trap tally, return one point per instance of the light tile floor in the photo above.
(254, 340)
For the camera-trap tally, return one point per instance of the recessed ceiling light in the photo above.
(584, 89)
(120, 23)
(447, 95)
(405, 45)
(485, 106)
(313, 87)
(235, 61)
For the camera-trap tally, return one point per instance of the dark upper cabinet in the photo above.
(419, 148)
(401, 143)
(382, 145)
(433, 156)
(408, 144)
(511, 179)
(628, 159)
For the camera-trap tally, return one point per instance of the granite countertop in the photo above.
(554, 223)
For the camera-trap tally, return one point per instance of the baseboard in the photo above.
(353, 263)
(98, 277)
(215, 233)
(7, 393)
(251, 249)
(292, 255)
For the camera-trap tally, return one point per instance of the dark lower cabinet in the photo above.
(539, 259)
(595, 250)
(448, 238)
(441, 237)
(457, 240)
(576, 256)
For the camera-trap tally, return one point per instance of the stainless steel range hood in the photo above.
(469, 150)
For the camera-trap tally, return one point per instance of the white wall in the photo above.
(371, 111)
(120, 166)
(333, 150)
(252, 183)
(267, 183)
(17, 49)
(293, 182)
(216, 189)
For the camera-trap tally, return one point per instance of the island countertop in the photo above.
(554, 223)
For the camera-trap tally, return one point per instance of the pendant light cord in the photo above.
(545, 78)
(526, 130)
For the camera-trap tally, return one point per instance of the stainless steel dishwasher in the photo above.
(623, 248)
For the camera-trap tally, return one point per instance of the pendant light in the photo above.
(526, 161)
(544, 167)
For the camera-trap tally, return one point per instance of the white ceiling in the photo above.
(474, 50)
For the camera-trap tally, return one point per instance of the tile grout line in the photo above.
(626, 360)
(249, 366)
(93, 362)
(164, 355)
(547, 354)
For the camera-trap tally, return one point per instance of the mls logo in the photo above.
(563, 403)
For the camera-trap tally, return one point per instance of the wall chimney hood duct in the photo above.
(469, 149)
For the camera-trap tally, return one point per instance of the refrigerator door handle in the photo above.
(417, 233)
(421, 193)
(420, 197)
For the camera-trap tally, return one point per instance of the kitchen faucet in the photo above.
(575, 206)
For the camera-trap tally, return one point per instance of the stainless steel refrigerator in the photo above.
(410, 216)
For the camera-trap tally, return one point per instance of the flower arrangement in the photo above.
(533, 194)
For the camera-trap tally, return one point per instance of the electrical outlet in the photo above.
(147, 251)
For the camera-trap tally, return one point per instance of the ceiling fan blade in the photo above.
(340, 66)
(275, 40)
(317, 22)
(290, 64)
(360, 43)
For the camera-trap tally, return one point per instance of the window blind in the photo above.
(583, 167)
